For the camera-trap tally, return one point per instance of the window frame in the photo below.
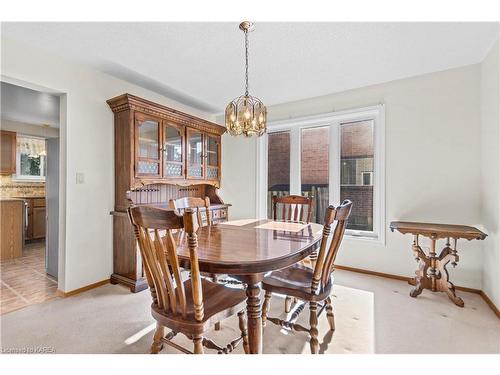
(20, 177)
(334, 121)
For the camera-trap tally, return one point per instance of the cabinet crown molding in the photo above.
(131, 102)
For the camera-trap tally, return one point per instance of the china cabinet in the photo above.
(160, 154)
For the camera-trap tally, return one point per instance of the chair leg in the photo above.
(157, 345)
(215, 279)
(243, 330)
(313, 332)
(288, 304)
(198, 344)
(265, 306)
(329, 314)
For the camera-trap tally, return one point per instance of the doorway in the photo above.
(29, 193)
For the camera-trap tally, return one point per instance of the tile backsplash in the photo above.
(9, 188)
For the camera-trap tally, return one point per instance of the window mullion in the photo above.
(334, 164)
(295, 162)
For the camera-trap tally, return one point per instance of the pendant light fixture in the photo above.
(246, 114)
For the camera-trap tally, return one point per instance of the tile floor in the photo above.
(23, 281)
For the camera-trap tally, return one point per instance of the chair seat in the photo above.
(294, 281)
(219, 302)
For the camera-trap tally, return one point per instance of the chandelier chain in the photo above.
(246, 63)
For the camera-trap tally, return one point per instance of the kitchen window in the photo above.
(30, 158)
(331, 157)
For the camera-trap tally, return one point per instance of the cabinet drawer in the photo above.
(38, 202)
(219, 214)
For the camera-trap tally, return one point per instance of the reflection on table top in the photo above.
(249, 247)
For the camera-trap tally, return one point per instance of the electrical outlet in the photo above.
(80, 178)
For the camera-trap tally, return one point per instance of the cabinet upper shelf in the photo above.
(159, 144)
(131, 102)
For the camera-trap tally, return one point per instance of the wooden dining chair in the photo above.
(199, 204)
(187, 306)
(312, 286)
(294, 208)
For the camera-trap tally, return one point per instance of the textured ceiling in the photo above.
(202, 64)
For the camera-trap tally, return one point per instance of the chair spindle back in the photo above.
(159, 255)
(197, 204)
(293, 208)
(326, 256)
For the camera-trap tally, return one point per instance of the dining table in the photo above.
(247, 249)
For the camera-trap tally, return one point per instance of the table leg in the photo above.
(254, 318)
(421, 280)
(443, 282)
(432, 273)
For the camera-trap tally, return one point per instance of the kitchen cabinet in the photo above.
(8, 152)
(11, 228)
(37, 218)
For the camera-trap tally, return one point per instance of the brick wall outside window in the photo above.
(356, 144)
(278, 171)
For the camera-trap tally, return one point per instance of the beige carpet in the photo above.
(372, 315)
(109, 319)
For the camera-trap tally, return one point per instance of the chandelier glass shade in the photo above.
(246, 114)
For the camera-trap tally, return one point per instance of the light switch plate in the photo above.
(80, 178)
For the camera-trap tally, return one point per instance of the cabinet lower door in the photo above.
(39, 220)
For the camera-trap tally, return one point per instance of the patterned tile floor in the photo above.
(23, 281)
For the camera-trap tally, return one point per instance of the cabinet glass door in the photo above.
(196, 158)
(173, 151)
(213, 147)
(147, 146)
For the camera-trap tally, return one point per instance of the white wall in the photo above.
(88, 148)
(490, 171)
(432, 164)
(29, 129)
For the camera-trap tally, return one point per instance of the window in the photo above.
(356, 156)
(278, 168)
(331, 157)
(367, 178)
(314, 168)
(30, 158)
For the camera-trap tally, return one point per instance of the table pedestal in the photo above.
(432, 273)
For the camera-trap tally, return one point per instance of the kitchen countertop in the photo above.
(31, 197)
(11, 199)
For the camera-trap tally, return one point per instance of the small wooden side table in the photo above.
(432, 273)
